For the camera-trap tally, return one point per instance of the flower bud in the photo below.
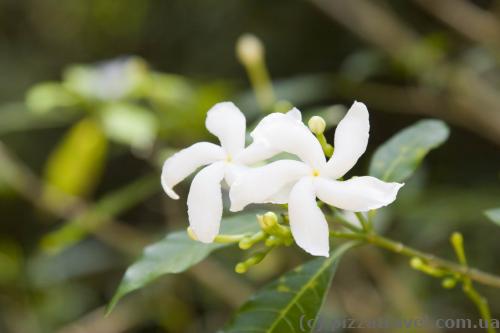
(416, 263)
(457, 239)
(249, 49)
(317, 125)
(449, 283)
(240, 268)
(191, 234)
(267, 221)
(270, 219)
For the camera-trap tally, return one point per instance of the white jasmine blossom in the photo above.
(299, 183)
(224, 162)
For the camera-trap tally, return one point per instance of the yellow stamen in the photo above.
(315, 173)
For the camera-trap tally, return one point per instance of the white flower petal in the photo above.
(282, 196)
(285, 133)
(295, 113)
(227, 122)
(257, 151)
(259, 184)
(205, 202)
(351, 139)
(233, 171)
(308, 224)
(183, 163)
(358, 194)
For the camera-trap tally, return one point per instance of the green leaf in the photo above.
(45, 97)
(77, 162)
(17, 118)
(96, 216)
(493, 214)
(176, 253)
(289, 303)
(399, 157)
(129, 124)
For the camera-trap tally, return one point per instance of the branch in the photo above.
(399, 248)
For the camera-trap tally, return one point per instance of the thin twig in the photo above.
(399, 248)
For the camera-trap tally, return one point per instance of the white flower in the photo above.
(225, 121)
(298, 183)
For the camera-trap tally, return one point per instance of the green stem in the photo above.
(261, 83)
(345, 223)
(327, 148)
(399, 248)
(367, 225)
(227, 239)
(479, 301)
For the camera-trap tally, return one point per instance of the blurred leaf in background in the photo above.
(396, 159)
(129, 124)
(494, 215)
(47, 96)
(76, 164)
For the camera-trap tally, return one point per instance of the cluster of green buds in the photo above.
(449, 279)
(272, 234)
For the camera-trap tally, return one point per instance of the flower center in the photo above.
(315, 173)
(229, 158)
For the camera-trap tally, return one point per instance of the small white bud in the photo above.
(317, 125)
(249, 49)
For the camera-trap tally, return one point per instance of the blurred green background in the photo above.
(82, 141)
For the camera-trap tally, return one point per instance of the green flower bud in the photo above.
(416, 263)
(240, 268)
(457, 239)
(270, 219)
(317, 125)
(449, 283)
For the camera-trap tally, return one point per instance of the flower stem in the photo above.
(327, 148)
(479, 301)
(228, 239)
(367, 225)
(345, 223)
(397, 247)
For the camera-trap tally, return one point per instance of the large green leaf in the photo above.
(176, 253)
(398, 158)
(494, 215)
(289, 303)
